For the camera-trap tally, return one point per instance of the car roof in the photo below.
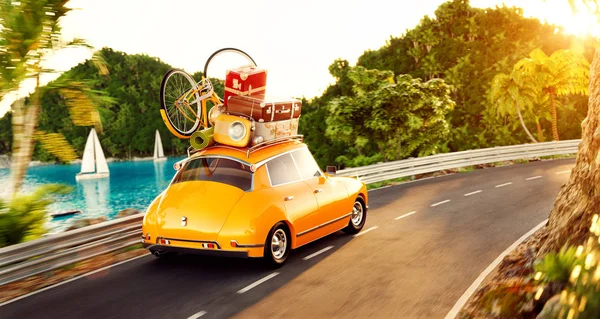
(257, 156)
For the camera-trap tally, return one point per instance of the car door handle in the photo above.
(288, 198)
(317, 191)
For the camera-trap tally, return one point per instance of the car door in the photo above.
(328, 192)
(297, 197)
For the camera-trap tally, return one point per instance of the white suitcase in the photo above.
(266, 131)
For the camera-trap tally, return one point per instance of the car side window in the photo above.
(282, 170)
(306, 164)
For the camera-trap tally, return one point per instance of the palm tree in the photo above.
(29, 33)
(562, 73)
(509, 96)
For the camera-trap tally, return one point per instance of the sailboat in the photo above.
(159, 154)
(93, 164)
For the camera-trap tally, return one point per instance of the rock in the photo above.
(128, 212)
(551, 308)
(86, 222)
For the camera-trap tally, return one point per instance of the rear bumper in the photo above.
(207, 252)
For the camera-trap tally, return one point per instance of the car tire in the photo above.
(357, 218)
(277, 246)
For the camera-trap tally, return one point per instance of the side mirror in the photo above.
(331, 170)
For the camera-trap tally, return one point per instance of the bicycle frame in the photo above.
(187, 99)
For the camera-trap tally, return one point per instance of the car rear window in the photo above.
(214, 169)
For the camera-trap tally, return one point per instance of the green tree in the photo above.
(467, 47)
(396, 119)
(510, 94)
(562, 73)
(29, 33)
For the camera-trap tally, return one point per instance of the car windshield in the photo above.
(215, 169)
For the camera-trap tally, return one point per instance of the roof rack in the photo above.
(273, 142)
(191, 151)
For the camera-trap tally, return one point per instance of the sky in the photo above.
(295, 41)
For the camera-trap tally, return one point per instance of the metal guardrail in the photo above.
(49, 253)
(55, 251)
(421, 165)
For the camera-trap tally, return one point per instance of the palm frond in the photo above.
(57, 145)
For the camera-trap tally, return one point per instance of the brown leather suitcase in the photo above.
(264, 109)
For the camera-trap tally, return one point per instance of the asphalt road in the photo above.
(403, 265)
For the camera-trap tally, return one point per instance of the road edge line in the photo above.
(72, 279)
(460, 303)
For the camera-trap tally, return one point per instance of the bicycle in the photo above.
(183, 101)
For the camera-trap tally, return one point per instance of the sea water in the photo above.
(132, 184)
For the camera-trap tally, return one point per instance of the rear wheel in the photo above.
(277, 245)
(357, 218)
(180, 103)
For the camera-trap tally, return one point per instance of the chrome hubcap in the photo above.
(278, 244)
(357, 214)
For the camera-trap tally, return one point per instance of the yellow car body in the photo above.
(210, 207)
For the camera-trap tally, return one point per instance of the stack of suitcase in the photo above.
(272, 117)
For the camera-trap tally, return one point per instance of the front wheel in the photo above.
(357, 218)
(277, 246)
(180, 104)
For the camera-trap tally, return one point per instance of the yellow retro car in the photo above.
(252, 202)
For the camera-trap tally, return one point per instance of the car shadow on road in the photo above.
(217, 280)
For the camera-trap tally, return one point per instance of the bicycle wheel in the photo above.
(180, 104)
(220, 51)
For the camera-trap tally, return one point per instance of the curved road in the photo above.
(423, 245)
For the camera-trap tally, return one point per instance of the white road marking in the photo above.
(473, 193)
(256, 283)
(317, 253)
(197, 315)
(366, 231)
(505, 184)
(534, 177)
(405, 215)
(72, 279)
(465, 297)
(440, 203)
(563, 172)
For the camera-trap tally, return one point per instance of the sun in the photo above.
(582, 23)
(579, 19)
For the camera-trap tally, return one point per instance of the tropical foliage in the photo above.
(23, 218)
(399, 118)
(560, 74)
(29, 33)
(466, 47)
(576, 270)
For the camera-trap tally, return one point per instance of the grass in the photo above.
(557, 156)
(466, 169)
(68, 267)
(387, 182)
(129, 248)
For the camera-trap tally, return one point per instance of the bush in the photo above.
(579, 269)
(23, 218)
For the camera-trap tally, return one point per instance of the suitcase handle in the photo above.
(283, 111)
